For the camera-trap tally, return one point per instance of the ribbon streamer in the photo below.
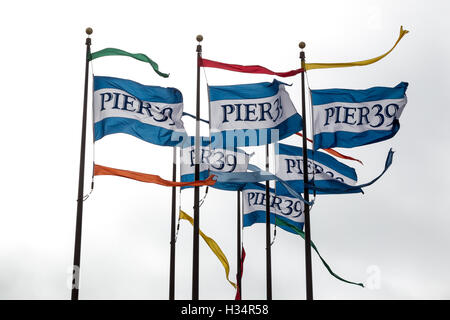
(149, 178)
(238, 289)
(280, 223)
(138, 56)
(346, 187)
(213, 246)
(333, 152)
(247, 69)
(310, 66)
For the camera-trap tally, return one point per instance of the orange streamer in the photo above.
(334, 152)
(149, 178)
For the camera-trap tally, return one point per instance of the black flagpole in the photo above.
(172, 229)
(77, 250)
(239, 242)
(195, 263)
(308, 264)
(268, 249)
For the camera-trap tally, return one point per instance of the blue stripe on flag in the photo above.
(147, 132)
(322, 187)
(140, 91)
(346, 139)
(255, 137)
(325, 96)
(260, 217)
(244, 91)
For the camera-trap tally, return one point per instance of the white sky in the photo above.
(396, 232)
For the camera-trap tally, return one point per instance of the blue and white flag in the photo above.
(251, 114)
(330, 176)
(150, 113)
(213, 160)
(350, 118)
(282, 206)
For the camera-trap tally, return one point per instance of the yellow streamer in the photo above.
(213, 245)
(310, 66)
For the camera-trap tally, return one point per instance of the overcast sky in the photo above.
(394, 238)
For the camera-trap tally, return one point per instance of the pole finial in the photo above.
(89, 31)
(199, 38)
(302, 45)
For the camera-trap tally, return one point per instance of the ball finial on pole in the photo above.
(199, 38)
(302, 45)
(89, 31)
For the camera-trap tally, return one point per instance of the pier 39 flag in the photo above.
(252, 114)
(350, 118)
(282, 206)
(212, 160)
(150, 113)
(330, 176)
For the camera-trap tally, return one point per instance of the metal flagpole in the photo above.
(239, 243)
(195, 263)
(308, 264)
(172, 229)
(78, 227)
(268, 249)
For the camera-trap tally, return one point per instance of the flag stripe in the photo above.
(146, 132)
(149, 178)
(326, 96)
(258, 90)
(257, 137)
(246, 69)
(141, 91)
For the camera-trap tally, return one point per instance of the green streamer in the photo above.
(280, 222)
(138, 56)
